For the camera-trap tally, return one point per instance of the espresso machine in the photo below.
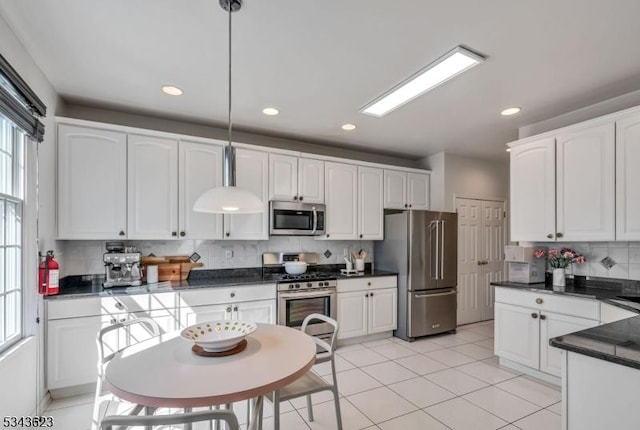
(121, 266)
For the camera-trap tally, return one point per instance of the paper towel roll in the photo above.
(152, 274)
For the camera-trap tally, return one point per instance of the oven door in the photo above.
(294, 307)
(296, 219)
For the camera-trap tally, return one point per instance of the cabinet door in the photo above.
(533, 191)
(383, 310)
(585, 182)
(352, 314)
(370, 204)
(200, 169)
(72, 352)
(628, 178)
(311, 180)
(610, 313)
(198, 314)
(259, 311)
(92, 183)
(251, 174)
(341, 186)
(553, 325)
(283, 177)
(152, 188)
(395, 190)
(418, 191)
(517, 334)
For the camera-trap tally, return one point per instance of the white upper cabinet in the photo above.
(152, 188)
(418, 191)
(585, 184)
(310, 180)
(395, 189)
(370, 204)
(296, 179)
(341, 187)
(533, 191)
(404, 190)
(200, 169)
(628, 178)
(92, 183)
(252, 174)
(283, 177)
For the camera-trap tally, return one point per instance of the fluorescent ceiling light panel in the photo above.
(444, 68)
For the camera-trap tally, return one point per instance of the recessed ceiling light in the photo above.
(508, 149)
(444, 68)
(510, 111)
(270, 111)
(171, 90)
(348, 127)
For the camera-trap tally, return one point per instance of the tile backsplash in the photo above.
(625, 255)
(85, 257)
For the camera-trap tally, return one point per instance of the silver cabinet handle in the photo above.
(539, 301)
(534, 315)
(229, 309)
(543, 317)
(235, 308)
(119, 305)
(550, 236)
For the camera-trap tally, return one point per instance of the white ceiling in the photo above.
(320, 61)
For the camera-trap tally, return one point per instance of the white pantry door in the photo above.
(481, 243)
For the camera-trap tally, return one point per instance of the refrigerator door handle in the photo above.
(442, 251)
(437, 253)
(424, 296)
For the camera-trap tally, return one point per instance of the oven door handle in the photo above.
(315, 221)
(306, 295)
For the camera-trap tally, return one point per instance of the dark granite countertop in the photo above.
(617, 342)
(91, 285)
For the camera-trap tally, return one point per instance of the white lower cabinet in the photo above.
(72, 355)
(367, 306)
(352, 314)
(256, 303)
(517, 335)
(525, 321)
(383, 305)
(72, 327)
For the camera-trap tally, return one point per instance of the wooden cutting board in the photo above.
(170, 268)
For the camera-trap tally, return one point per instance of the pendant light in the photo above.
(229, 198)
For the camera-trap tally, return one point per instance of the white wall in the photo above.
(457, 176)
(21, 375)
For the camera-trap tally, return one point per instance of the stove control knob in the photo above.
(309, 284)
(326, 284)
(291, 287)
(297, 285)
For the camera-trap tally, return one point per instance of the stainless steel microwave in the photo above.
(296, 219)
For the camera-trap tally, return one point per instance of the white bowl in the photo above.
(218, 336)
(295, 267)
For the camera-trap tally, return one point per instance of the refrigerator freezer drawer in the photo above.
(432, 312)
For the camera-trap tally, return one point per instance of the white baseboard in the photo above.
(544, 377)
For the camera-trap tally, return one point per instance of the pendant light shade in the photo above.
(229, 198)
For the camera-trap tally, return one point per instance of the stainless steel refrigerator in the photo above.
(422, 247)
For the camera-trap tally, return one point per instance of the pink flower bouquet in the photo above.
(560, 259)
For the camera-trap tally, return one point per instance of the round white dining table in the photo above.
(167, 373)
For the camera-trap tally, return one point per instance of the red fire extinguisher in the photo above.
(48, 275)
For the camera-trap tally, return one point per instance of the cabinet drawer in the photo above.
(546, 301)
(373, 283)
(94, 306)
(242, 293)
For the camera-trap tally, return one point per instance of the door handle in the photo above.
(437, 250)
(442, 251)
(422, 296)
(315, 221)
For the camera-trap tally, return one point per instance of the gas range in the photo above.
(312, 279)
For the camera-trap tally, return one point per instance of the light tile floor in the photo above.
(442, 382)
